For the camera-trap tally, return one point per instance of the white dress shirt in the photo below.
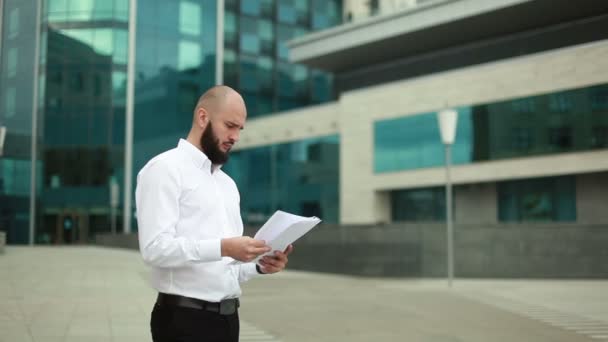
(185, 206)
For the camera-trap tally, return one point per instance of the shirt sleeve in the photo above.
(247, 271)
(157, 202)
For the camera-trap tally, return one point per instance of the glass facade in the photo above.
(418, 205)
(175, 64)
(81, 56)
(17, 83)
(81, 105)
(414, 142)
(255, 55)
(83, 66)
(548, 199)
(568, 121)
(301, 177)
(542, 199)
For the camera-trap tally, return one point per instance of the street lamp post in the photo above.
(2, 137)
(114, 196)
(447, 125)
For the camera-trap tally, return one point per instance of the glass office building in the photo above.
(531, 97)
(63, 100)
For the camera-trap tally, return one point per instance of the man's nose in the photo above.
(234, 136)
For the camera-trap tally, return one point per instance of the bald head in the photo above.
(219, 116)
(216, 99)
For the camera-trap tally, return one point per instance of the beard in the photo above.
(211, 146)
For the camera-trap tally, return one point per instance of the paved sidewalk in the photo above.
(97, 294)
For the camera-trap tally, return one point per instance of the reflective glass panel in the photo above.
(299, 177)
(542, 199)
(418, 205)
(262, 28)
(567, 121)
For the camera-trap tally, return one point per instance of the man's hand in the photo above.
(275, 263)
(243, 248)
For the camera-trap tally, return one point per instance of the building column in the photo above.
(359, 202)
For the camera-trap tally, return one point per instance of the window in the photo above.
(543, 199)
(121, 45)
(287, 12)
(57, 6)
(121, 9)
(230, 30)
(265, 31)
(11, 62)
(561, 138)
(189, 54)
(414, 142)
(119, 83)
(103, 41)
(10, 102)
(81, 10)
(286, 81)
(77, 81)
(97, 87)
(325, 14)
(522, 138)
(13, 23)
(230, 68)
(599, 137)
(248, 74)
(265, 67)
(599, 98)
(321, 90)
(190, 18)
(523, 105)
(250, 40)
(560, 102)
(253, 8)
(418, 205)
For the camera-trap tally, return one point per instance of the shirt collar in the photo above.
(199, 158)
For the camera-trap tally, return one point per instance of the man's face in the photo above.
(221, 134)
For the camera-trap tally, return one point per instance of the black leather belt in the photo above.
(225, 307)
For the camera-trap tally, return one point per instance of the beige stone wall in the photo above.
(294, 125)
(476, 204)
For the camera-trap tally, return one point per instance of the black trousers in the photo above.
(179, 324)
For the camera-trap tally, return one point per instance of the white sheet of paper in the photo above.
(283, 229)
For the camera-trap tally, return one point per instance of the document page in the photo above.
(282, 229)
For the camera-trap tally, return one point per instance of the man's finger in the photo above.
(258, 243)
(260, 250)
(270, 262)
(288, 250)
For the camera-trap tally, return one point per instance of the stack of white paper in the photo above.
(282, 229)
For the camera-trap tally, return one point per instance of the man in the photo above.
(190, 228)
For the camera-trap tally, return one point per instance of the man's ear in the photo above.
(202, 117)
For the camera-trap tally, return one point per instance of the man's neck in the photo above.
(194, 141)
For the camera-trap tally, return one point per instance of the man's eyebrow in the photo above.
(235, 124)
